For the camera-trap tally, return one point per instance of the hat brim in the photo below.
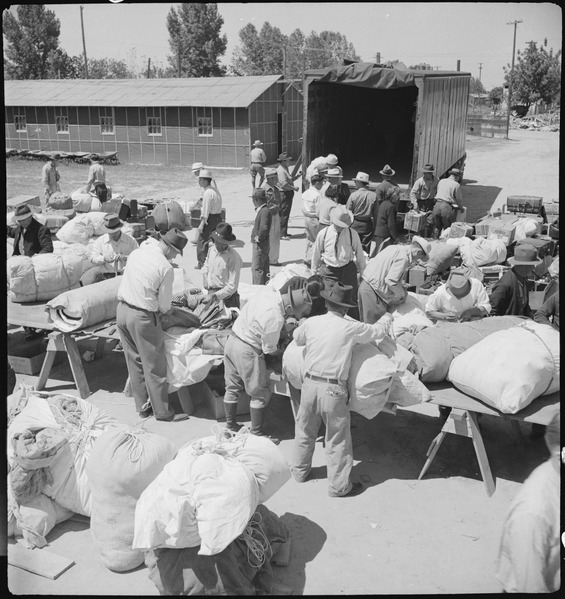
(360, 180)
(22, 217)
(326, 296)
(391, 174)
(461, 293)
(162, 238)
(216, 237)
(515, 262)
(108, 230)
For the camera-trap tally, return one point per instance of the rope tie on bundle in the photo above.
(258, 546)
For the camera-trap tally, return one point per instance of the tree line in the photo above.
(32, 51)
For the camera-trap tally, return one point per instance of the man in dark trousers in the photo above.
(260, 238)
(286, 182)
(360, 203)
(387, 174)
(385, 222)
(30, 236)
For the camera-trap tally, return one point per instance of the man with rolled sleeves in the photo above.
(286, 183)
(449, 201)
(210, 215)
(258, 159)
(260, 238)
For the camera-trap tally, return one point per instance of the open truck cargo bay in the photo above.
(370, 115)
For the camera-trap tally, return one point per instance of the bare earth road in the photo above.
(438, 535)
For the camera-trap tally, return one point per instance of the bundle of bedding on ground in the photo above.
(122, 463)
(441, 257)
(480, 251)
(510, 369)
(435, 347)
(44, 276)
(84, 201)
(85, 306)
(410, 316)
(244, 567)
(60, 201)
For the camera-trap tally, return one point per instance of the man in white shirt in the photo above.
(50, 176)
(220, 273)
(360, 203)
(145, 294)
(196, 168)
(449, 201)
(529, 558)
(310, 200)
(460, 299)
(274, 204)
(96, 172)
(256, 332)
(320, 165)
(329, 341)
(338, 253)
(334, 176)
(381, 289)
(258, 158)
(109, 252)
(210, 215)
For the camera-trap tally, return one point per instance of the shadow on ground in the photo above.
(479, 199)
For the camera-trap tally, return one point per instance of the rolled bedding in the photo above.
(85, 306)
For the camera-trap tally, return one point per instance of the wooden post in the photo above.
(148, 68)
(83, 45)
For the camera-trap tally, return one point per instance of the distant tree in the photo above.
(328, 49)
(63, 66)
(495, 97)
(476, 86)
(422, 66)
(295, 54)
(259, 53)
(194, 34)
(272, 42)
(536, 75)
(29, 40)
(109, 68)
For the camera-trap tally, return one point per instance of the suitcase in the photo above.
(415, 221)
(543, 244)
(524, 204)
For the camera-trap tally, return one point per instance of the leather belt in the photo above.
(448, 203)
(323, 379)
(256, 163)
(246, 342)
(137, 307)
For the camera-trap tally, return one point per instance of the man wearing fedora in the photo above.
(196, 168)
(338, 254)
(324, 394)
(145, 294)
(286, 183)
(274, 203)
(320, 165)
(510, 295)
(256, 333)
(387, 173)
(460, 299)
(29, 235)
(360, 203)
(50, 176)
(210, 215)
(311, 199)
(96, 172)
(258, 158)
(260, 238)
(381, 289)
(448, 201)
(423, 193)
(387, 230)
(334, 176)
(220, 273)
(109, 252)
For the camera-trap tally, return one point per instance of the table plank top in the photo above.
(32, 314)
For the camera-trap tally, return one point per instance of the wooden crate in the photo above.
(415, 221)
(13, 203)
(459, 229)
(505, 231)
(27, 365)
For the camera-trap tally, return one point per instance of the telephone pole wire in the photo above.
(515, 23)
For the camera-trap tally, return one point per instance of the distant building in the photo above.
(214, 120)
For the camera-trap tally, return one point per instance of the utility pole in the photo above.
(458, 65)
(83, 45)
(480, 69)
(378, 58)
(515, 23)
(179, 70)
(148, 68)
(284, 62)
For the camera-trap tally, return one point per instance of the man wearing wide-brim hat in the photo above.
(510, 293)
(338, 254)
(449, 201)
(423, 193)
(109, 252)
(360, 203)
(29, 235)
(50, 176)
(460, 299)
(257, 158)
(144, 295)
(329, 341)
(387, 173)
(210, 214)
(274, 197)
(196, 168)
(334, 176)
(221, 270)
(286, 183)
(320, 165)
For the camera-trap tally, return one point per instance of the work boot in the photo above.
(257, 419)
(231, 416)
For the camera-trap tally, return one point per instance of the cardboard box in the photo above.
(417, 275)
(415, 221)
(460, 230)
(505, 231)
(201, 392)
(482, 228)
(13, 203)
(27, 365)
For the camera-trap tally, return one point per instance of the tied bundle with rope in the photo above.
(123, 462)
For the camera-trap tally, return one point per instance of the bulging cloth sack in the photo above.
(480, 251)
(410, 316)
(435, 347)
(287, 272)
(60, 201)
(510, 369)
(85, 306)
(168, 215)
(203, 497)
(122, 463)
(84, 201)
(441, 257)
(44, 276)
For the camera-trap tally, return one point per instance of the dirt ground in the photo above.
(400, 536)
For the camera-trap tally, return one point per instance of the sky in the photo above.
(476, 33)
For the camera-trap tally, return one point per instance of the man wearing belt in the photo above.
(338, 253)
(311, 198)
(258, 159)
(210, 216)
(145, 293)
(274, 204)
(381, 289)
(360, 203)
(423, 193)
(286, 183)
(256, 332)
(448, 201)
(220, 273)
(329, 341)
(96, 172)
(260, 238)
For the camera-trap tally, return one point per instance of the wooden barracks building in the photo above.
(214, 120)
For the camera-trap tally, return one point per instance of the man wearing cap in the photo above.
(196, 168)
(338, 253)
(50, 176)
(510, 295)
(254, 334)
(448, 201)
(360, 203)
(258, 159)
(334, 176)
(260, 238)
(96, 172)
(220, 273)
(274, 204)
(29, 235)
(460, 299)
(286, 183)
(311, 198)
(109, 252)
(387, 174)
(381, 289)
(210, 215)
(423, 193)
(329, 341)
(145, 293)
(386, 230)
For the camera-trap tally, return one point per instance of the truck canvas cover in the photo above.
(365, 74)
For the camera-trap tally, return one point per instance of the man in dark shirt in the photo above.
(260, 238)
(385, 222)
(548, 313)
(30, 236)
(380, 191)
